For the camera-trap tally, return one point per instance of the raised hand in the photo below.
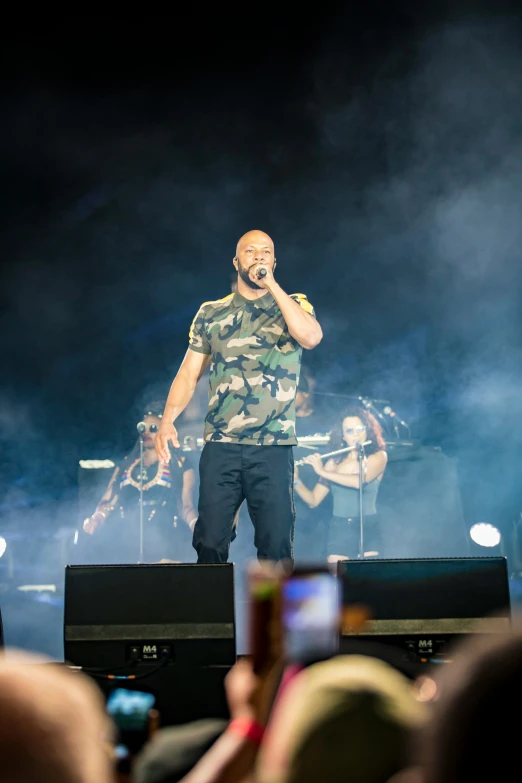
(167, 433)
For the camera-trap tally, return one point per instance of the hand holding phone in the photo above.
(134, 716)
(264, 589)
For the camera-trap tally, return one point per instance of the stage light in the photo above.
(485, 534)
(3, 545)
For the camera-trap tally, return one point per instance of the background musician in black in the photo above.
(169, 512)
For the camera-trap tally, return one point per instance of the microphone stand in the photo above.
(360, 458)
(141, 428)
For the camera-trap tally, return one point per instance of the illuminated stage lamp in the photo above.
(485, 534)
(3, 545)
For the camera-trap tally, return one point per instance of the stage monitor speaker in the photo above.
(120, 614)
(165, 628)
(425, 605)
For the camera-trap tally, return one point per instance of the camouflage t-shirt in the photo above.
(254, 369)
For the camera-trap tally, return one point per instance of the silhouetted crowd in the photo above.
(356, 717)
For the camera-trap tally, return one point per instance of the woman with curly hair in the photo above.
(340, 476)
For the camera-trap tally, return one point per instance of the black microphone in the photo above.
(141, 426)
(261, 273)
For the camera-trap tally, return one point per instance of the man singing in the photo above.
(253, 341)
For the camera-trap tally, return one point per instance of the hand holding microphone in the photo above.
(260, 275)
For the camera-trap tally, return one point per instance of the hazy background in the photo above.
(381, 148)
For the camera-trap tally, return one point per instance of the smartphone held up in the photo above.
(295, 613)
(310, 614)
(134, 716)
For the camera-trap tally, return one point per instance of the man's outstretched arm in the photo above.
(181, 391)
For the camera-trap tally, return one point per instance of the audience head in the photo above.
(53, 724)
(174, 751)
(474, 731)
(349, 718)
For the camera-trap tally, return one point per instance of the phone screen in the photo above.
(311, 612)
(130, 712)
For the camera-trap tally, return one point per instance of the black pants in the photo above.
(231, 472)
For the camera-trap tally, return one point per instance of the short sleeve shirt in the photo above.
(254, 369)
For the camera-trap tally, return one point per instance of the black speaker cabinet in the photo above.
(424, 605)
(171, 627)
(119, 614)
(420, 506)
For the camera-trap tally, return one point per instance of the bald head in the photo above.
(254, 238)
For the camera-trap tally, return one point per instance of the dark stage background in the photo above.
(379, 145)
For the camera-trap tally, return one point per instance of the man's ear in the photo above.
(235, 261)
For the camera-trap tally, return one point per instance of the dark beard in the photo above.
(243, 274)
